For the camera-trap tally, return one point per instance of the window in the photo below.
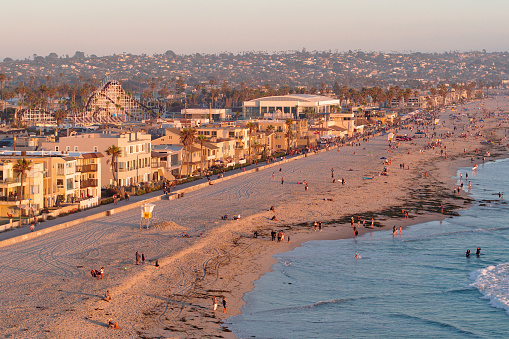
(75, 148)
(95, 149)
(70, 184)
(60, 182)
(56, 149)
(68, 148)
(34, 189)
(214, 133)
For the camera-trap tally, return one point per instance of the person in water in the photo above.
(478, 252)
(468, 254)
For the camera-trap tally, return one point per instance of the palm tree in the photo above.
(21, 167)
(114, 152)
(289, 132)
(60, 115)
(201, 138)
(442, 91)
(433, 92)
(251, 126)
(187, 137)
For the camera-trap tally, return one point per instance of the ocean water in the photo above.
(417, 284)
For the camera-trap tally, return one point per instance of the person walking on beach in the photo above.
(282, 180)
(224, 305)
(214, 302)
(143, 258)
(137, 257)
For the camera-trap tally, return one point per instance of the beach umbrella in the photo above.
(383, 158)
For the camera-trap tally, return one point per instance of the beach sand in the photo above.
(48, 291)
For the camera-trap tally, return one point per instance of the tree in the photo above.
(114, 152)
(187, 137)
(251, 126)
(442, 91)
(60, 115)
(433, 92)
(2, 80)
(289, 133)
(201, 138)
(21, 167)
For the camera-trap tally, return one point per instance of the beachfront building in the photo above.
(344, 120)
(54, 179)
(14, 196)
(166, 162)
(292, 105)
(281, 140)
(134, 163)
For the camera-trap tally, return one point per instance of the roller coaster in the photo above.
(111, 104)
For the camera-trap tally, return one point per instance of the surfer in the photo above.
(478, 252)
(468, 254)
(357, 256)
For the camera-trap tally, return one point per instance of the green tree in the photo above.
(21, 167)
(115, 152)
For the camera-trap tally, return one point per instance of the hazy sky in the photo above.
(210, 26)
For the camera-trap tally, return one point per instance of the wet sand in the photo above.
(49, 292)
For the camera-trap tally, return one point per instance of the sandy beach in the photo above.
(48, 291)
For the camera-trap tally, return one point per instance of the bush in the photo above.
(109, 192)
(106, 201)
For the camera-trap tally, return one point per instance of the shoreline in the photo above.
(220, 258)
(298, 239)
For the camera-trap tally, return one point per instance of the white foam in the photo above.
(493, 283)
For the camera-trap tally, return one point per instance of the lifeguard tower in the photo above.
(147, 214)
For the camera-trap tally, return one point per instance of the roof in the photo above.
(209, 145)
(92, 155)
(172, 148)
(155, 154)
(337, 128)
(295, 97)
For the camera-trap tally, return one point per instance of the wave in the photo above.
(493, 283)
(317, 304)
(438, 323)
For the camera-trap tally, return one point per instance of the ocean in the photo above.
(417, 284)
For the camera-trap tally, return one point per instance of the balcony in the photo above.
(88, 183)
(87, 168)
(12, 198)
(9, 181)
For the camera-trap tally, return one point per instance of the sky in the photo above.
(106, 27)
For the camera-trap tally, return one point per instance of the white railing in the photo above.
(90, 202)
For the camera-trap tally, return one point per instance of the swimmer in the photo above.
(468, 254)
(478, 252)
(357, 256)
